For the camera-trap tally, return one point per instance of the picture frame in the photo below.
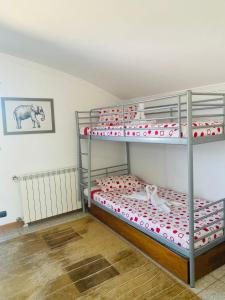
(27, 115)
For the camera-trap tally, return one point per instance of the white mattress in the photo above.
(161, 130)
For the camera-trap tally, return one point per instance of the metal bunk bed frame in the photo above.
(183, 106)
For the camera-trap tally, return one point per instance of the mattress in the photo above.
(156, 130)
(173, 226)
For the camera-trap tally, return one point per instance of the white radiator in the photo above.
(49, 193)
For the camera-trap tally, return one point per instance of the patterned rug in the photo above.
(81, 259)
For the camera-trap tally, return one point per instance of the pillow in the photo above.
(124, 184)
(111, 120)
(140, 115)
(116, 116)
(106, 182)
(130, 112)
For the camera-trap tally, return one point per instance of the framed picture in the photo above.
(27, 115)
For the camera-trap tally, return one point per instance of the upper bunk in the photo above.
(187, 117)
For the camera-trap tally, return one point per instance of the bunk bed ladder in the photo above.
(80, 168)
(81, 154)
(89, 161)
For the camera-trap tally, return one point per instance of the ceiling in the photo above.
(128, 47)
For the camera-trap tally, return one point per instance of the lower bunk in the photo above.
(121, 203)
(169, 259)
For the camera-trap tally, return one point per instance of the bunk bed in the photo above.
(190, 241)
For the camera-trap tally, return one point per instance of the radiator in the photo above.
(47, 194)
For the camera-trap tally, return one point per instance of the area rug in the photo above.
(81, 259)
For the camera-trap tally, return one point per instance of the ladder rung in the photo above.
(84, 153)
(83, 169)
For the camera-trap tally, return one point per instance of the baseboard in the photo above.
(56, 217)
(11, 226)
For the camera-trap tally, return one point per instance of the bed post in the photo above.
(126, 144)
(224, 114)
(89, 161)
(128, 157)
(190, 191)
(78, 160)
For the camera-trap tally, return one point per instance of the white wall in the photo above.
(166, 165)
(35, 152)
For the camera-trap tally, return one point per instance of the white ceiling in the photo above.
(128, 47)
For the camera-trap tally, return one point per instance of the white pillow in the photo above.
(140, 114)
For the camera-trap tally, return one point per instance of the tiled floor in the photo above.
(55, 257)
(81, 259)
(212, 286)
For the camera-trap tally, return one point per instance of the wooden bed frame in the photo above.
(172, 261)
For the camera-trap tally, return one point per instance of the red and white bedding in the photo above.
(156, 130)
(172, 226)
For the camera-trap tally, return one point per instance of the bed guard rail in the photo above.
(172, 108)
(121, 169)
(217, 222)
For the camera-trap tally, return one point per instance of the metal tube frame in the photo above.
(89, 164)
(189, 141)
(79, 162)
(179, 117)
(224, 116)
(128, 156)
(190, 191)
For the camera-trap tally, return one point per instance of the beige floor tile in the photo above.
(203, 283)
(174, 292)
(215, 291)
(218, 273)
(223, 278)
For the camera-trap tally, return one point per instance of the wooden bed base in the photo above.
(172, 261)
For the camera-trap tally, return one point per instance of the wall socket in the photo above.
(3, 213)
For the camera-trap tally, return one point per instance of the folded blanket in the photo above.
(138, 196)
(155, 200)
(151, 194)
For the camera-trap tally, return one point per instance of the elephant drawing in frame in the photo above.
(23, 112)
